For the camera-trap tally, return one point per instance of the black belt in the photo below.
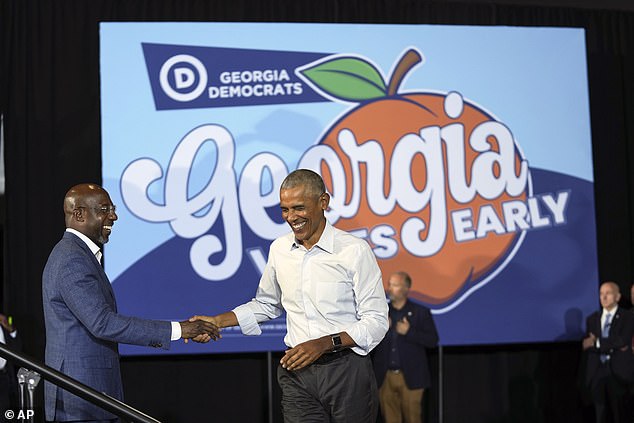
(328, 357)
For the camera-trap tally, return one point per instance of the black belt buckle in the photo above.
(329, 357)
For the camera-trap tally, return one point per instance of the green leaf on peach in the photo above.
(347, 79)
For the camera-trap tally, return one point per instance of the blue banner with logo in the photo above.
(185, 77)
(461, 154)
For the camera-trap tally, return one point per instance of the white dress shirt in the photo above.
(94, 248)
(333, 287)
(604, 315)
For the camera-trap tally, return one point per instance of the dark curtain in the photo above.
(49, 97)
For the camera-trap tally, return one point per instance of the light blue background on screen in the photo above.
(531, 79)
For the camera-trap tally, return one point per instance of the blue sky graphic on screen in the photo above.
(461, 154)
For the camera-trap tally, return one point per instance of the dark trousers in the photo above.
(609, 395)
(339, 391)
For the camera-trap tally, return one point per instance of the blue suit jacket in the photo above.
(83, 329)
(412, 346)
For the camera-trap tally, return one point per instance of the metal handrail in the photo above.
(84, 391)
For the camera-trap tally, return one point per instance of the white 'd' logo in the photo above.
(184, 77)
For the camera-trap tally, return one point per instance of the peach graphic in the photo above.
(385, 115)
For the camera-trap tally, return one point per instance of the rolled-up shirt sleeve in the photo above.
(265, 306)
(371, 304)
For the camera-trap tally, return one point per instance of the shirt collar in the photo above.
(326, 240)
(94, 248)
(611, 312)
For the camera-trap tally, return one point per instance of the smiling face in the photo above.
(90, 211)
(304, 210)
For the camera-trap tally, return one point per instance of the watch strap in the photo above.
(336, 342)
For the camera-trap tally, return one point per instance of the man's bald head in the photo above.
(613, 285)
(89, 210)
(79, 196)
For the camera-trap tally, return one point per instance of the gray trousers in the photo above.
(340, 391)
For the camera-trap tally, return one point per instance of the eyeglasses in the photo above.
(102, 209)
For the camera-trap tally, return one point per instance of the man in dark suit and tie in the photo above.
(400, 360)
(610, 362)
(83, 328)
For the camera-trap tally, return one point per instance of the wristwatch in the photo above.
(336, 342)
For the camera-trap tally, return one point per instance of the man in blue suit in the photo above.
(400, 360)
(83, 328)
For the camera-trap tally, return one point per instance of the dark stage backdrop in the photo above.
(49, 96)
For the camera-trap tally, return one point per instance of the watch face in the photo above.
(336, 341)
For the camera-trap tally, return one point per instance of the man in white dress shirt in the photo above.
(329, 284)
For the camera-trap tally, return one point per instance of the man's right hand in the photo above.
(199, 330)
(222, 320)
(209, 319)
(589, 341)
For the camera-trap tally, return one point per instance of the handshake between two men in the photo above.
(203, 329)
(199, 330)
(296, 358)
